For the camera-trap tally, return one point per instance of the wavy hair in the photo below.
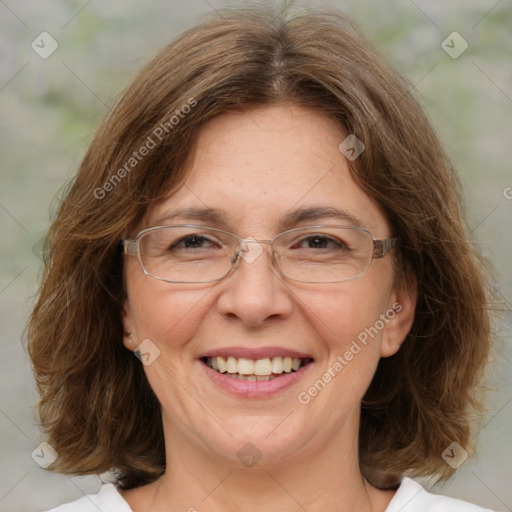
(96, 404)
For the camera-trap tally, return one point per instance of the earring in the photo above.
(130, 338)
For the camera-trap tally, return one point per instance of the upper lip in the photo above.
(255, 353)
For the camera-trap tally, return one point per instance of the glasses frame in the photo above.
(130, 247)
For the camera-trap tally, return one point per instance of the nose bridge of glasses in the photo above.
(249, 249)
(243, 242)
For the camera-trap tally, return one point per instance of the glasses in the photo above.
(186, 253)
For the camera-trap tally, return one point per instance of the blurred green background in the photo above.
(51, 107)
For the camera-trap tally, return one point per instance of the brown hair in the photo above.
(96, 406)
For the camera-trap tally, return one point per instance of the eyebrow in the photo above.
(287, 220)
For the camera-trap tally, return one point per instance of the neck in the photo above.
(316, 478)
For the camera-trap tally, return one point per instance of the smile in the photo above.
(255, 370)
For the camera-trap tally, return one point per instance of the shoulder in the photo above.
(107, 500)
(412, 497)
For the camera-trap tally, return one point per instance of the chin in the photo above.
(262, 440)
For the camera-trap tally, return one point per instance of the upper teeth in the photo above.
(243, 366)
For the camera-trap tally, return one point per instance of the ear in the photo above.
(130, 335)
(401, 307)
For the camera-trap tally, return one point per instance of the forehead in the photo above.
(258, 167)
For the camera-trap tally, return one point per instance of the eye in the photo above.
(320, 241)
(194, 241)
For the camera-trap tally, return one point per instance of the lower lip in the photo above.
(255, 389)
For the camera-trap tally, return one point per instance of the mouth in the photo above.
(256, 370)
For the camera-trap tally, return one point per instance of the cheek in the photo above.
(345, 312)
(348, 321)
(164, 313)
(350, 339)
(170, 319)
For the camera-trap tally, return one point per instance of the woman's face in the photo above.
(253, 168)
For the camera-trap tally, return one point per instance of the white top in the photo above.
(410, 497)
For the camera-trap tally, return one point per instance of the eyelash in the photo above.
(323, 237)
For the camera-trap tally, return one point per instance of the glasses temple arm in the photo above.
(381, 247)
(129, 246)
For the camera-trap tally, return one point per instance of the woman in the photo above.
(267, 221)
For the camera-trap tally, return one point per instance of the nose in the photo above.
(255, 290)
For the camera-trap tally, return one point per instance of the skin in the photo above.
(256, 166)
